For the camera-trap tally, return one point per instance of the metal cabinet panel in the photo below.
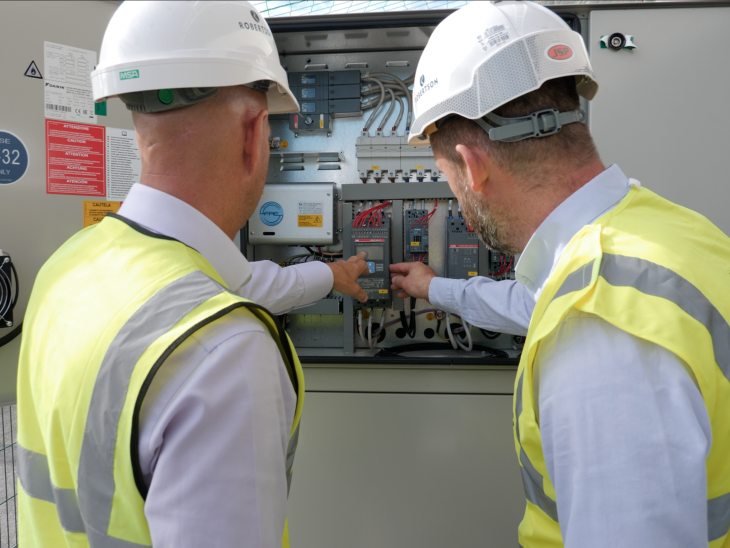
(33, 224)
(405, 470)
(661, 111)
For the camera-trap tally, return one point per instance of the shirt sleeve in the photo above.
(503, 306)
(625, 434)
(214, 431)
(280, 290)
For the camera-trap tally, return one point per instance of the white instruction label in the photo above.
(123, 163)
(311, 208)
(67, 86)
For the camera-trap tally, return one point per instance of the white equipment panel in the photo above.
(289, 214)
(661, 112)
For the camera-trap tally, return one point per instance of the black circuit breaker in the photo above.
(416, 236)
(376, 243)
(463, 250)
(322, 95)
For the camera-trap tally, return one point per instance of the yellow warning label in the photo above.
(415, 244)
(383, 291)
(472, 273)
(284, 144)
(321, 121)
(374, 167)
(419, 167)
(310, 220)
(95, 211)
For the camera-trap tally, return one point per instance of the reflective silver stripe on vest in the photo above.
(290, 451)
(531, 478)
(96, 463)
(659, 281)
(35, 479)
(718, 517)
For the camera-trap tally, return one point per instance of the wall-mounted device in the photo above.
(294, 214)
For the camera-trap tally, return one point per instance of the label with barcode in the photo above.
(494, 36)
(62, 108)
(67, 84)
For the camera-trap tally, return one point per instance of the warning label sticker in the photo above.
(310, 221)
(94, 212)
(75, 160)
(311, 208)
(123, 162)
(67, 87)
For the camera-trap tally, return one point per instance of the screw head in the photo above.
(252, 232)
(8, 323)
(328, 233)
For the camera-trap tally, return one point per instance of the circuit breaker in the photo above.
(416, 226)
(463, 250)
(375, 241)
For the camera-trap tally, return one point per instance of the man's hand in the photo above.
(412, 279)
(346, 274)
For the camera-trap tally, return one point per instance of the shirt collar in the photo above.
(584, 206)
(164, 214)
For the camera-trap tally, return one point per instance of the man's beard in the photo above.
(491, 224)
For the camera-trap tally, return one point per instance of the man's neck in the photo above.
(534, 206)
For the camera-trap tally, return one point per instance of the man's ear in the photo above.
(477, 167)
(256, 137)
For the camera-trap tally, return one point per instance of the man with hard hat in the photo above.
(622, 395)
(158, 398)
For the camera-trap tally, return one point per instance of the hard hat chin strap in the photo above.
(538, 124)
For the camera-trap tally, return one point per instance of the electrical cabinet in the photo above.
(390, 398)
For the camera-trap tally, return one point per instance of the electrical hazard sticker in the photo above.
(94, 212)
(310, 221)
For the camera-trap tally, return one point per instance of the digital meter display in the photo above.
(375, 252)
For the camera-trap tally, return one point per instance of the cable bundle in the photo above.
(371, 217)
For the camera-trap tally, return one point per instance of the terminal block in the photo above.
(416, 236)
(375, 241)
(463, 250)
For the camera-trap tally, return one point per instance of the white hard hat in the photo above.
(488, 53)
(151, 46)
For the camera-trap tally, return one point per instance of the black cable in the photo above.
(396, 351)
(17, 286)
(489, 334)
(10, 336)
(403, 321)
(411, 332)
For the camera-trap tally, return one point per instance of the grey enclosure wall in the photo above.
(661, 112)
(34, 224)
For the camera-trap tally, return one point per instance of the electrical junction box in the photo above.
(321, 95)
(375, 241)
(463, 250)
(294, 214)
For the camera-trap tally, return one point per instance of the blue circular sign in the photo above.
(13, 158)
(271, 213)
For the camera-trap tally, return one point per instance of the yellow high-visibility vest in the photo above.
(662, 273)
(106, 310)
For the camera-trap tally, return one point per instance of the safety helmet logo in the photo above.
(255, 16)
(559, 52)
